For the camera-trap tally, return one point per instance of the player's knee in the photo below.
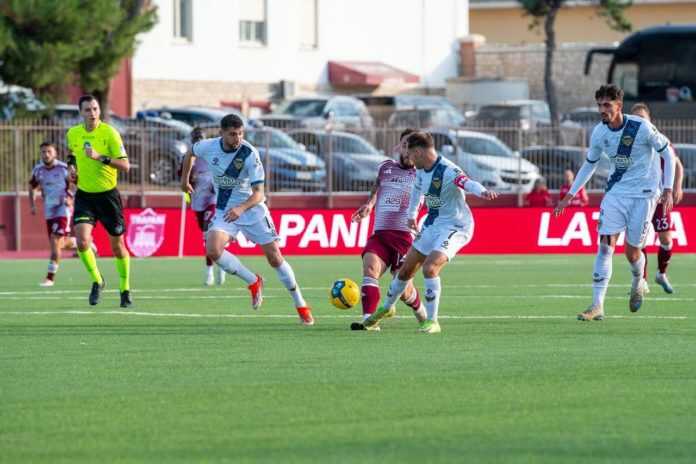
(430, 270)
(370, 270)
(605, 250)
(665, 238)
(275, 259)
(83, 243)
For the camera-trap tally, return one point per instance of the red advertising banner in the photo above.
(329, 232)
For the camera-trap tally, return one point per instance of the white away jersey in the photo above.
(234, 173)
(634, 151)
(446, 202)
(54, 183)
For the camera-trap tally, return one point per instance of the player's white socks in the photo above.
(637, 269)
(602, 274)
(232, 265)
(52, 267)
(396, 288)
(432, 297)
(287, 277)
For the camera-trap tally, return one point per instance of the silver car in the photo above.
(486, 159)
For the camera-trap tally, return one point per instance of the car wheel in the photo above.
(161, 170)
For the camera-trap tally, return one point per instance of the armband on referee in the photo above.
(105, 160)
(71, 160)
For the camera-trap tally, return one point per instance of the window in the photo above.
(252, 21)
(183, 19)
(308, 24)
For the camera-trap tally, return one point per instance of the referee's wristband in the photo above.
(105, 160)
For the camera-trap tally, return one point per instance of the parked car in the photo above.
(353, 160)
(687, 155)
(290, 166)
(191, 115)
(154, 145)
(381, 107)
(344, 113)
(531, 117)
(426, 117)
(16, 101)
(584, 117)
(486, 159)
(553, 161)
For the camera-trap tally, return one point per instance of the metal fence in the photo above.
(507, 158)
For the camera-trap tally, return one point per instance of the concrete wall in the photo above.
(403, 33)
(574, 23)
(574, 89)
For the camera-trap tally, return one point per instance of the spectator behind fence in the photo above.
(539, 196)
(580, 199)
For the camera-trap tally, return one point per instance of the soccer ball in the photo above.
(344, 294)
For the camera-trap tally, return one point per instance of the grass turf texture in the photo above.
(493, 387)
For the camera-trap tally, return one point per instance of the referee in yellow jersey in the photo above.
(97, 152)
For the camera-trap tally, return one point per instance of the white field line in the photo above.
(329, 316)
(243, 290)
(222, 296)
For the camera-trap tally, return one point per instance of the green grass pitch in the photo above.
(192, 375)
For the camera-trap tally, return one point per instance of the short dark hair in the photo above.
(85, 98)
(197, 134)
(48, 144)
(420, 139)
(406, 132)
(610, 91)
(231, 121)
(640, 106)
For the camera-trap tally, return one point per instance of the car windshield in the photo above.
(507, 113)
(481, 146)
(275, 139)
(303, 108)
(351, 145)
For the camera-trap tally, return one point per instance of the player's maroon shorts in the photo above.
(204, 217)
(58, 226)
(661, 221)
(390, 245)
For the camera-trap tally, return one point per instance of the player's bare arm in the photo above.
(122, 164)
(365, 210)
(32, 204)
(186, 166)
(678, 181)
(257, 196)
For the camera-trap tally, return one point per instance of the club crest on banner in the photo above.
(145, 232)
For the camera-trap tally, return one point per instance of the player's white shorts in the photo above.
(633, 215)
(262, 232)
(447, 240)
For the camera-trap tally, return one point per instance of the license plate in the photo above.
(304, 175)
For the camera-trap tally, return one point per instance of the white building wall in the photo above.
(418, 36)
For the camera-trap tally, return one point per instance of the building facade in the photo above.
(205, 52)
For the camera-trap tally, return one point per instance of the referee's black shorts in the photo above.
(104, 207)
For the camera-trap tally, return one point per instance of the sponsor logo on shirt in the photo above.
(226, 182)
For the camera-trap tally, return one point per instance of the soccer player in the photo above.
(97, 153)
(203, 204)
(633, 188)
(447, 228)
(662, 222)
(392, 236)
(52, 178)
(238, 178)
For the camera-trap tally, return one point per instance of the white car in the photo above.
(487, 160)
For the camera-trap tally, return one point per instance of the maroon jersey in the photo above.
(54, 183)
(395, 185)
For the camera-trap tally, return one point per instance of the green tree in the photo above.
(117, 39)
(41, 41)
(546, 11)
(47, 44)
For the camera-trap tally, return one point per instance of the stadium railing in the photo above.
(337, 161)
